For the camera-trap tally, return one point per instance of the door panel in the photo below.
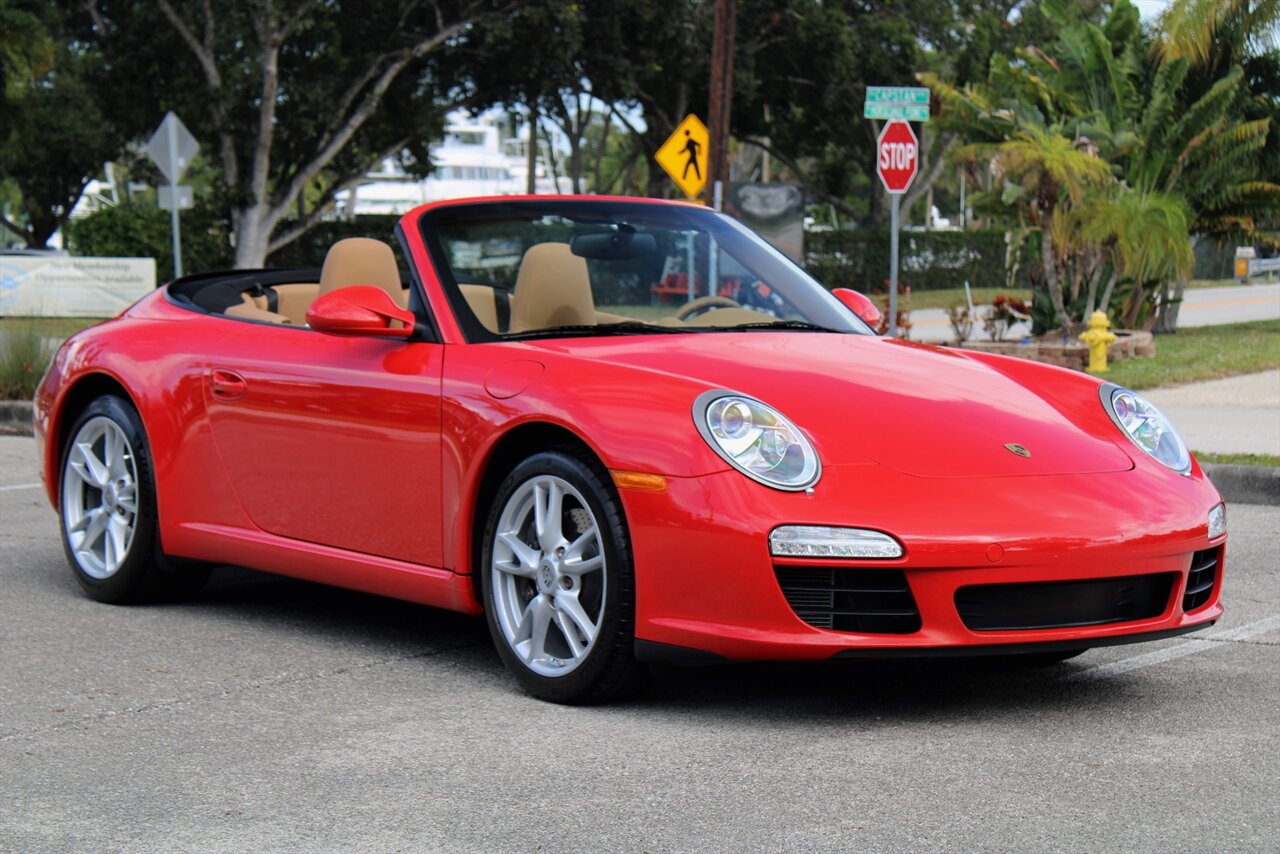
(332, 440)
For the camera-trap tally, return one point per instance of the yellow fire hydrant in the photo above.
(1098, 336)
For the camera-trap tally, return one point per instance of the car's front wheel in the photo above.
(559, 590)
(107, 507)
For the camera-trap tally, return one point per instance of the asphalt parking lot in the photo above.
(269, 714)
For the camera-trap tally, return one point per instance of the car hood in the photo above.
(918, 409)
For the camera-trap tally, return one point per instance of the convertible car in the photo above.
(625, 431)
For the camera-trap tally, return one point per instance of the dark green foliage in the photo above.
(309, 249)
(930, 260)
(138, 231)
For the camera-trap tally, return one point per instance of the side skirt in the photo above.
(382, 576)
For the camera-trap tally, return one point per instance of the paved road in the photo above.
(276, 715)
(1201, 307)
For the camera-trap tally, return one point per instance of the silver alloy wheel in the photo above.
(100, 497)
(548, 575)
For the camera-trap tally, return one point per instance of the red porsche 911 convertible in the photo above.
(626, 431)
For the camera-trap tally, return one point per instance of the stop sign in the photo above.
(897, 156)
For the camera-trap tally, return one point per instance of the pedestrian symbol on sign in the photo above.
(691, 147)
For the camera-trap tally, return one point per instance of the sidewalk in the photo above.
(1236, 415)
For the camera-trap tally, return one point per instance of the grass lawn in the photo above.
(1238, 459)
(955, 296)
(1203, 353)
(50, 327)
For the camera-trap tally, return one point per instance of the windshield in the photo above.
(556, 268)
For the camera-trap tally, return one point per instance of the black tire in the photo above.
(145, 572)
(607, 669)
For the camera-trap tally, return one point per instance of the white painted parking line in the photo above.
(13, 486)
(1191, 647)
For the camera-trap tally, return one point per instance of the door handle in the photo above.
(228, 385)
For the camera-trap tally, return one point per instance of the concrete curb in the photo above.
(1238, 484)
(1245, 484)
(15, 417)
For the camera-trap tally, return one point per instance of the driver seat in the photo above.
(362, 261)
(552, 288)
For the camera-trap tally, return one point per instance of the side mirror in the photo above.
(359, 311)
(859, 305)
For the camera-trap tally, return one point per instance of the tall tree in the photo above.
(54, 136)
(286, 94)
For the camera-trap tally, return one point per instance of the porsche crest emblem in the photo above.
(1020, 450)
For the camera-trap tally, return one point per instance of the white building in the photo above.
(472, 160)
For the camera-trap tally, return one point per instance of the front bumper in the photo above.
(705, 580)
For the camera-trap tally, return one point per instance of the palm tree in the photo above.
(1216, 32)
(1147, 233)
(1162, 138)
(1054, 176)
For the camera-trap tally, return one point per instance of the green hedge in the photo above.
(139, 231)
(928, 260)
(309, 249)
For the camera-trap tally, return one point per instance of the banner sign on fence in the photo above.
(66, 286)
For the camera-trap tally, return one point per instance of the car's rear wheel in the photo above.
(108, 511)
(559, 591)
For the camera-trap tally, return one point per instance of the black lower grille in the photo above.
(1201, 578)
(873, 601)
(1062, 604)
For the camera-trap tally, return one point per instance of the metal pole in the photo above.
(173, 200)
(962, 222)
(690, 273)
(713, 251)
(893, 267)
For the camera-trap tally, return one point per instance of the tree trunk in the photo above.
(1052, 276)
(1167, 322)
(253, 236)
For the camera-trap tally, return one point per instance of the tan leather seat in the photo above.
(247, 310)
(362, 261)
(553, 288)
(292, 300)
(483, 302)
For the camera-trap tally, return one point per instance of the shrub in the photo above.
(24, 357)
(138, 231)
(927, 260)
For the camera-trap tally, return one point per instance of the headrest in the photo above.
(361, 261)
(553, 288)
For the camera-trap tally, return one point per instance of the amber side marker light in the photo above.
(639, 481)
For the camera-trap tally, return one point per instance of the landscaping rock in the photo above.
(15, 417)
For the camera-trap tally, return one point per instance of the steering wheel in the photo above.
(701, 304)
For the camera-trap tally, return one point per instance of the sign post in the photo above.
(172, 147)
(897, 161)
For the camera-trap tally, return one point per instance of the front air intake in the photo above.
(868, 601)
(1201, 579)
(1064, 604)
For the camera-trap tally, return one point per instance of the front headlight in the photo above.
(1146, 426)
(756, 440)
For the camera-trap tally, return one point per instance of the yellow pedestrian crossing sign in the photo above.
(684, 156)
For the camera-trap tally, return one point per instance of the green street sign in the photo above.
(911, 113)
(897, 95)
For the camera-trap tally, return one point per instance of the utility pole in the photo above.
(718, 111)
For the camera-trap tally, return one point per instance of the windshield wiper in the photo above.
(799, 325)
(630, 327)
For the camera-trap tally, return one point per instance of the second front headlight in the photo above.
(757, 440)
(1146, 427)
